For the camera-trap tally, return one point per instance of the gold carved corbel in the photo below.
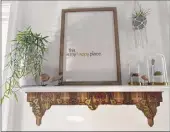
(40, 103)
(149, 108)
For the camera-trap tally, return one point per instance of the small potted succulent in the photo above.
(139, 19)
(158, 77)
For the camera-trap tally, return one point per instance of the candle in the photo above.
(138, 69)
(131, 80)
(148, 70)
(129, 69)
(57, 72)
(163, 69)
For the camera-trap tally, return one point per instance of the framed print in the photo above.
(89, 47)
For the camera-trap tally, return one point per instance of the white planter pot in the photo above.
(29, 80)
(158, 79)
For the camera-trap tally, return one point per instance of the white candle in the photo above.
(131, 80)
(148, 70)
(163, 69)
(138, 69)
(129, 69)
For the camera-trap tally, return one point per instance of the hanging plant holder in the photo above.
(139, 22)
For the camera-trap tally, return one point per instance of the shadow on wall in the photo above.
(51, 66)
(18, 112)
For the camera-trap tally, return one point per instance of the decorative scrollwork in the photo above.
(149, 109)
(36, 109)
(113, 101)
(47, 100)
(40, 102)
(90, 104)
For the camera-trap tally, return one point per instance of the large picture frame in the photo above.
(112, 77)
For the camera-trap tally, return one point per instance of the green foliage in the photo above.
(157, 73)
(26, 57)
(141, 12)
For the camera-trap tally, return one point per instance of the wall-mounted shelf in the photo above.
(146, 98)
(100, 88)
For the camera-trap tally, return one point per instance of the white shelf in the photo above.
(95, 88)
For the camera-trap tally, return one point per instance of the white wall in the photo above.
(165, 33)
(44, 17)
(15, 23)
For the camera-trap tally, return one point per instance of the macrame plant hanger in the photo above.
(139, 26)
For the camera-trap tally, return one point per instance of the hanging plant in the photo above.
(139, 19)
(25, 59)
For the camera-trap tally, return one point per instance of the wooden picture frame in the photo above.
(116, 45)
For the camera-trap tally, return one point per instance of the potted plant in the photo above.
(139, 20)
(25, 60)
(158, 77)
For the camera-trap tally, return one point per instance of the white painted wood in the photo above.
(95, 88)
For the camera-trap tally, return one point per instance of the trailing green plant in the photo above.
(157, 73)
(140, 13)
(25, 58)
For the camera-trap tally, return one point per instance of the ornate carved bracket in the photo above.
(147, 102)
(149, 106)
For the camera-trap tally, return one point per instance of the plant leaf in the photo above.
(15, 95)
(2, 99)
